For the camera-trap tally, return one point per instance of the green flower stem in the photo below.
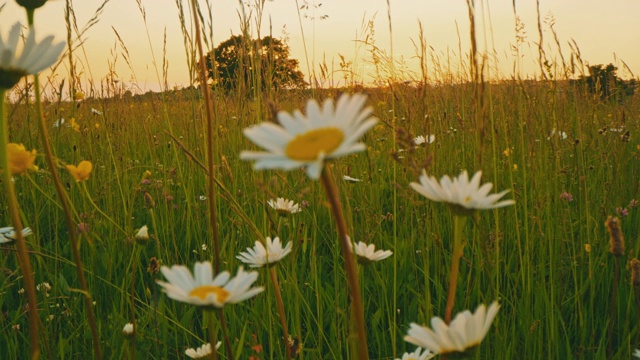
(23, 252)
(280, 304)
(458, 247)
(212, 336)
(95, 206)
(65, 205)
(132, 297)
(349, 263)
(202, 73)
(71, 230)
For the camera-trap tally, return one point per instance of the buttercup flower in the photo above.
(18, 59)
(202, 289)
(308, 140)
(368, 253)
(421, 139)
(284, 206)
(259, 255)
(460, 193)
(201, 352)
(465, 331)
(20, 159)
(418, 355)
(82, 171)
(8, 234)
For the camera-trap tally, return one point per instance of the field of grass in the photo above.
(569, 159)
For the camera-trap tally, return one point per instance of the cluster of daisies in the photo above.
(308, 141)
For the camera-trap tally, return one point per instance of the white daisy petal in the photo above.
(18, 59)
(466, 331)
(460, 192)
(260, 255)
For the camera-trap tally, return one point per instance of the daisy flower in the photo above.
(368, 253)
(462, 194)
(465, 331)
(417, 355)
(8, 234)
(326, 132)
(421, 139)
(201, 352)
(19, 59)
(350, 179)
(284, 206)
(202, 289)
(259, 256)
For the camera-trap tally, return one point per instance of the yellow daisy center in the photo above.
(308, 146)
(202, 292)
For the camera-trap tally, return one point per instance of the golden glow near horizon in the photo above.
(604, 34)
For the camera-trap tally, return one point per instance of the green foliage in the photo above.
(242, 64)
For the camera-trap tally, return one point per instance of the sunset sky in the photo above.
(603, 34)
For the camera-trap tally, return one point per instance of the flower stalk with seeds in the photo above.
(616, 242)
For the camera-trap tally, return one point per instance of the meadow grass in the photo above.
(546, 259)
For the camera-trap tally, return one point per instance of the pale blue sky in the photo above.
(600, 32)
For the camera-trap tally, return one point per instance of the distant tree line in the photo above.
(603, 81)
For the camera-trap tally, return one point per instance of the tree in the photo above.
(604, 81)
(237, 60)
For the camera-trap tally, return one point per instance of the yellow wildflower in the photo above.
(79, 95)
(74, 125)
(82, 171)
(20, 159)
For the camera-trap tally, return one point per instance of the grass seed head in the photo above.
(616, 239)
